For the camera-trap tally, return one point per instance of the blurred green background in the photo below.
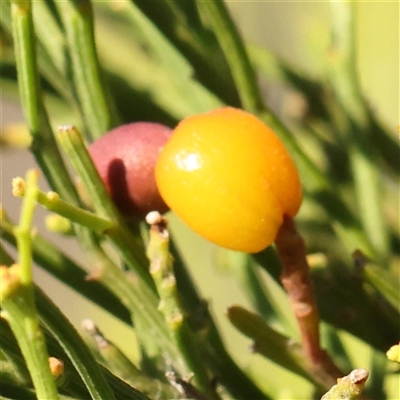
(299, 32)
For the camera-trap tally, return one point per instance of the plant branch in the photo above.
(296, 280)
(74, 347)
(96, 104)
(52, 202)
(18, 301)
(161, 269)
(43, 145)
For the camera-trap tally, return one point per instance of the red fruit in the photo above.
(125, 158)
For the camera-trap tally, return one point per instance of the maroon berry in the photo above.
(125, 158)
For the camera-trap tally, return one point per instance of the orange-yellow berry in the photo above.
(229, 177)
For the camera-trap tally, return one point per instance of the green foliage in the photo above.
(108, 63)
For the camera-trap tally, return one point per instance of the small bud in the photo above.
(57, 370)
(65, 128)
(58, 224)
(393, 354)
(158, 224)
(10, 281)
(18, 187)
(89, 326)
(153, 217)
(52, 196)
(56, 367)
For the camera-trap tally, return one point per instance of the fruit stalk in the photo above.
(296, 280)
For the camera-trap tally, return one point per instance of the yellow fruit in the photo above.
(229, 177)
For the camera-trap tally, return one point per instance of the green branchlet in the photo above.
(18, 301)
(53, 202)
(273, 345)
(96, 105)
(161, 269)
(122, 366)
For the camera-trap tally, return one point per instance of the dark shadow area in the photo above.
(118, 187)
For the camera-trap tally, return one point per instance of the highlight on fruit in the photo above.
(229, 177)
(125, 158)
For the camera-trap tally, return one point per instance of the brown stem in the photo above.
(296, 280)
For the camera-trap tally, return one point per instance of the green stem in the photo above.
(138, 297)
(51, 36)
(49, 46)
(23, 230)
(74, 146)
(121, 366)
(97, 108)
(19, 301)
(273, 345)
(74, 347)
(52, 202)
(73, 386)
(235, 53)
(51, 42)
(22, 319)
(43, 145)
(161, 269)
